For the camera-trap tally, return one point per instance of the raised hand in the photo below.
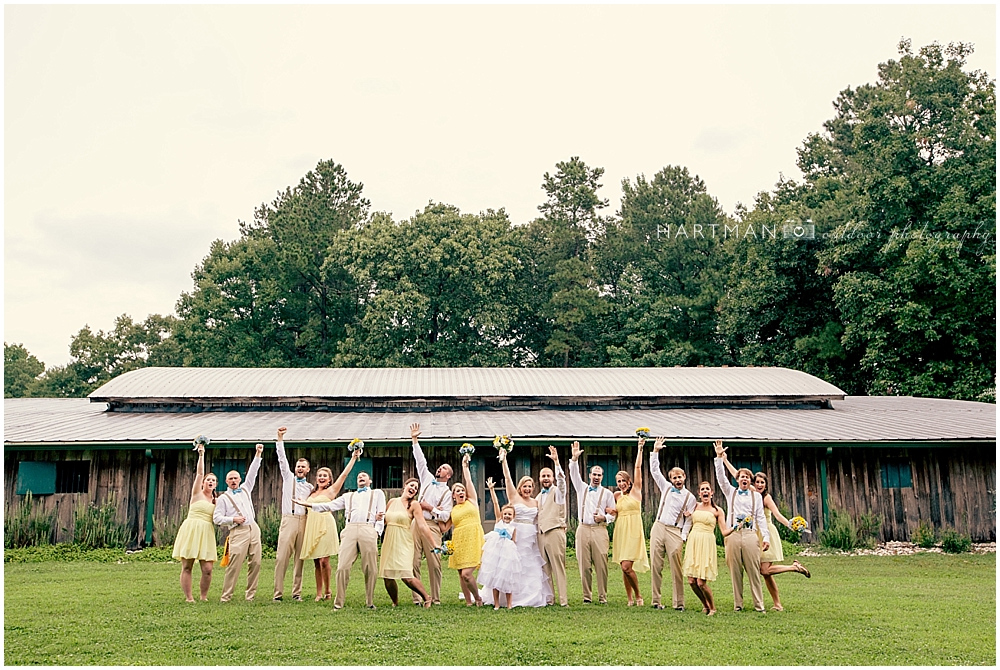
(260, 448)
(642, 442)
(720, 451)
(466, 459)
(576, 450)
(502, 456)
(414, 431)
(553, 454)
(281, 434)
(200, 449)
(658, 444)
(490, 484)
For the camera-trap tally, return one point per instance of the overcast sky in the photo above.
(134, 136)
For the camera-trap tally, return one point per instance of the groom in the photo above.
(552, 524)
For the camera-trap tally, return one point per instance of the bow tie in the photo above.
(546, 490)
(676, 490)
(437, 483)
(237, 490)
(743, 493)
(362, 490)
(300, 480)
(591, 488)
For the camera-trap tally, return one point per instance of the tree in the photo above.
(20, 370)
(440, 289)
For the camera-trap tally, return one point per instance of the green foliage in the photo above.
(165, 528)
(954, 542)
(868, 526)
(20, 370)
(269, 520)
(840, 532)
(784, 532)
(924, 535)
(74, 552)
(27, 525)
(98, 527)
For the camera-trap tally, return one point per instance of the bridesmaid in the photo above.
(196, 536)
(775, 553)
(629, 541)
(701, 560)
(401, 514)
(320, 540)
(467, 536)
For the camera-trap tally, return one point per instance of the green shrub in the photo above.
(165, 529)
(571, 524)
(868, 527)
(840, 532)
(954, 542)
(924, 535)
(28, 526)
(785, 532)
(98, 527)
(75, 552)
(269, 520)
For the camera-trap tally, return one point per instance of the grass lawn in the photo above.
(925, 609)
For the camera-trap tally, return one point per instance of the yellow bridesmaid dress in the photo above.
(196, 536)
(467, 536)
(775, 553)
(397, 545)
(701, 559)
(629, 542)
(320, 538)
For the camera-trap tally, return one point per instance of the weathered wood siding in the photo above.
(951, 487)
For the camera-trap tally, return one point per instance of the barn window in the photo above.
(387, 473)
(72, 476)
(610, 466)
(223, 466)
(896, 474)
(364, 464)
(36, 478)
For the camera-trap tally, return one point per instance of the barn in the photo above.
(906, 459)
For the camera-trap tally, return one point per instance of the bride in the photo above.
(534, 588)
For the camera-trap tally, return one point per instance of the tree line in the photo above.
(875, 272)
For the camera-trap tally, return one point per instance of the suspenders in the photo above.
(663, 503)
(350, 506)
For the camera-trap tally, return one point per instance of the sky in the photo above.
(136, 135)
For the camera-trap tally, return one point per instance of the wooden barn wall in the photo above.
(951, 487)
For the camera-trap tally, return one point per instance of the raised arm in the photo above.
(279, 446)
(512, 494)
(636, 491)
(251, 479)
(574, 468)
(423, 472)
(199, 473)
(493, 495)
(470, 489)
(654, 466)
(729, 466)
(560, 476)
(720, 470)
(339, 483)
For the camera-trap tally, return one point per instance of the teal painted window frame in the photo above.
(38, 478)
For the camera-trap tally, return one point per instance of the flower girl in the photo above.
(501, 566)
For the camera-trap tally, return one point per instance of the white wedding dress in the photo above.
(534, 588)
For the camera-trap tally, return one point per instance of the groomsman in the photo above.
(293, 520)
(670, 528)
(364, 514)
(552, 524)
(235, 509)
(435, 499)
(592, 533)
(742, 548)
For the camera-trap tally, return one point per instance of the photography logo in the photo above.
(795, 229)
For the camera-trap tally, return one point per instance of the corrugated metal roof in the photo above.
(427, 383)
(856, 418)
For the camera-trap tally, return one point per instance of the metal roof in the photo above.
(422, 387)
(854, 419)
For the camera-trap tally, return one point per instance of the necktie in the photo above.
(743, 493)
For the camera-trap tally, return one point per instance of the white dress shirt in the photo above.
(291, 487)
(673, 502)
(431, 490)
(225, 510)
(359, 507)
(750, 503)
(559, 490)
(590, 503)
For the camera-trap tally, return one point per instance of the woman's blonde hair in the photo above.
(524, 479)
(627, 477)
(329, 473)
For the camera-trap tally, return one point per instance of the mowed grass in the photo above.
(925, 609)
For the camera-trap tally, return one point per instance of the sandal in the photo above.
(777, 608)
(639, 602)
(801, 568)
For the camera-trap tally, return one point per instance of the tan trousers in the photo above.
(423, 547)
(357, 538)
(592, 552)
(290, 534)
(665, 545)
(552, 544)
(743, 553)
(244, 542)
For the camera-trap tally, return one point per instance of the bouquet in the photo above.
(202, 440)
(467, 448)
(744, 522)
(503, 442)
(642, 432)
(446, 549)
(356, 445)
(799, 525)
